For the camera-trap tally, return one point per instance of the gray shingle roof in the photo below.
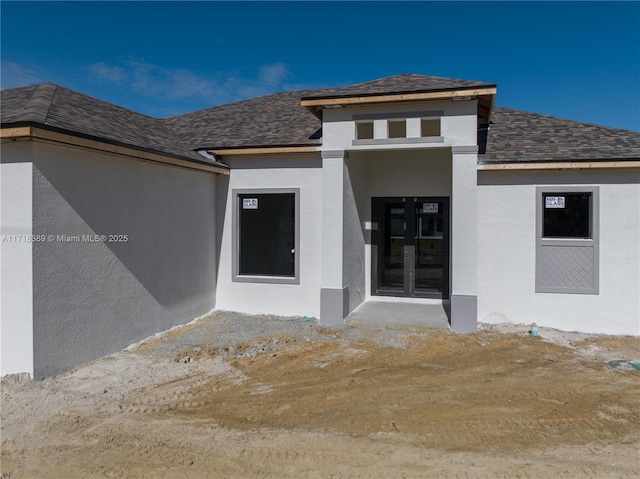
(519, 136)
(28, 104)
(404, 83)
(271, 120)
(59, 109)
(279, 120)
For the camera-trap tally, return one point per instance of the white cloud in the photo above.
(147, 79)
(102, 71)
(15, 75)
(173, 84)
(273, 74)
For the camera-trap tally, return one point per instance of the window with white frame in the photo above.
(567, 244)
(266, 235)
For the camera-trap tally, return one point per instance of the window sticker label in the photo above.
(249, 203)
(554, 202)
(429, 207)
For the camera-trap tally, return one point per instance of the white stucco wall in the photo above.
(507, 249)
(94, 298)
(16, 288)
(464, 225)
(334, 185)
(274, 171)
(458, 123)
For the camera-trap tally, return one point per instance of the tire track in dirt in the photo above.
(520, 414)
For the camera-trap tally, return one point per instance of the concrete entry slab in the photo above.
(431, 315)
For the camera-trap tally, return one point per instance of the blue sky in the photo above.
(575, 60)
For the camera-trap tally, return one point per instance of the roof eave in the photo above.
(31, 130)
(561, 164)
(262, 150)
(324, 98)
(484, 92)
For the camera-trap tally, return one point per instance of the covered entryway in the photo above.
(410, 247)
(400, 224)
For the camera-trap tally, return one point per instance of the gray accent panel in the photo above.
(411, 114)
(236, 238)
(462, 149)
(334, 306)
(333, 154)
(464, 313)
(569, 265)
(566, 268)
(399, 141)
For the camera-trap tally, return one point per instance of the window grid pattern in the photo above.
(569, 267)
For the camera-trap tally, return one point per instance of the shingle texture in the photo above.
(64, 110)
(405, 83)
(28, 104)
(272, 120)
(518, 136)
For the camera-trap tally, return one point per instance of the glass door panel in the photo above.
(411, 254)
(392, 259)
(430, 247)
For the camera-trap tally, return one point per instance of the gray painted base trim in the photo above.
(399, 141)
(334, 306)
(406, 114)
(464, 313)
(332, 154)
(464, 149)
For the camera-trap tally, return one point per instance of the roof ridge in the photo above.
(53, 94)
(39, 102)
(60, 89)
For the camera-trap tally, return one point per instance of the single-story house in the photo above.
(116, 226)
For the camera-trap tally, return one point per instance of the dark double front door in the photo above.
(411, 247)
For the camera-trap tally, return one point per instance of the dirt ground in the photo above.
(235, 396)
